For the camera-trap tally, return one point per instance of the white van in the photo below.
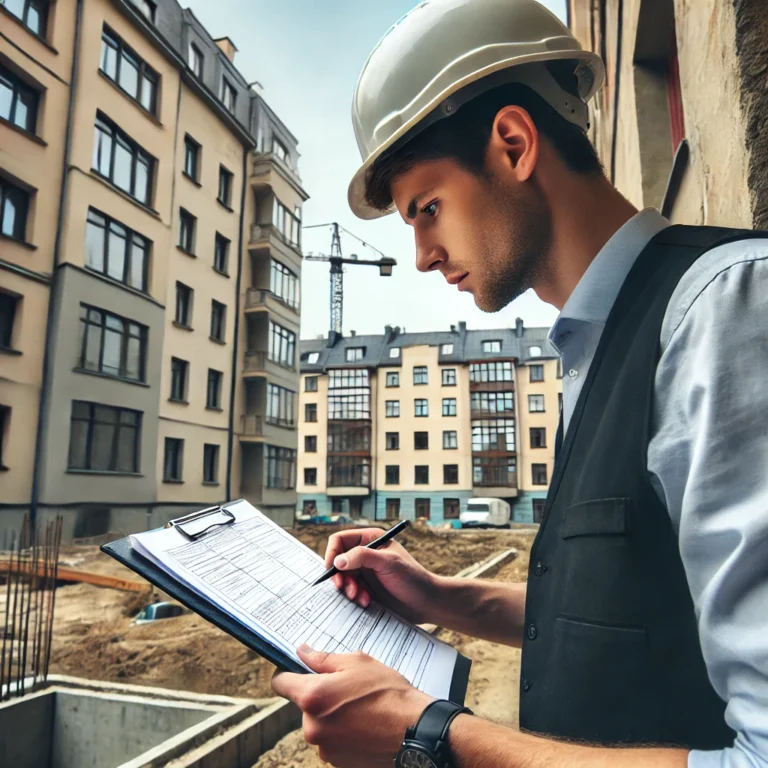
(486, 513)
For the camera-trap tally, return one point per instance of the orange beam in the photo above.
(82, 577)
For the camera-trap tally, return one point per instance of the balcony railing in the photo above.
(255, 361)
(263, 232)
(257, 297)
(491, 386)
(483, 414)
(495, 480)
(270, 158)
(252, 425)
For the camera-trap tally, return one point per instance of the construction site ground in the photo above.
(94, 636)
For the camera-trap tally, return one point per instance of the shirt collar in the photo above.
(594, 295)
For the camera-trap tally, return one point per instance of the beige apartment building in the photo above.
(679, 123)
(149, 247)
(413, 425)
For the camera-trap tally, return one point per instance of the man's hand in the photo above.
(390, 574)
(356, 710)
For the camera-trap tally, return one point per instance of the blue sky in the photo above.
(307, 55)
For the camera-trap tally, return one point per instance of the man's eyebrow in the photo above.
(413, 206)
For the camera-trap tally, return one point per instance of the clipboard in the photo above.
(195, 526)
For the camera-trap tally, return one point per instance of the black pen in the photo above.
(375, 544)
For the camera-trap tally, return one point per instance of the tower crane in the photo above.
(337, 260)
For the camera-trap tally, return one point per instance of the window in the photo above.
(18, 102)
(343, 438)
(392, 509)
(184, 296)
(450, 509)
(14, 207)
(310, 384)
(392, 472)
(228, 94)
(534, 351)
(310, 476)
(218, 320)
(492, 403)
(310, 444)
(421, 441)
(539, 474)
(147, 8)
(450, 440)
(310, 507)
(493, 435)
(349, 378)
(126, 68)
(350, 407)
(33, 14)
(281, 468)
(281, 406)
(349, 471)
(111, 344)
(8, 305)
(120, 160)
(5, 418)
(538, 509)
(279, 150)
(537, 373)
(392, 409)
(421, 475)
(394, 352)
(393, 441)
(559, 401)
(225, 187)
(449, 377)
(480, 373)
(393, 379)
(421, 407)
(213, 395)
(494, 472)
(286, 223)
(282, 345)
(116, 251)
(196, 60)
(353, 354)
(313, 357)
(221, 254)
(450, 474)
(211, 464)
(422, 509)
(420, 375)
(559, 367)
(491, 346)
(191, 158)
(103, 438)
(310, 412)
(535, 403)
(187, 227)
(173, 463)
(284, 284)
(449, 406)
(179, 370)
(446, 349)
(538, 437)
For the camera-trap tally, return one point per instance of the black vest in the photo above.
(611, 651)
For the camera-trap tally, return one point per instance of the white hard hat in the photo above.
(445, 52)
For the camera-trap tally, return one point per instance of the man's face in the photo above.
(486, 234)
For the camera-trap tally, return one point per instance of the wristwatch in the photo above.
(426, 744)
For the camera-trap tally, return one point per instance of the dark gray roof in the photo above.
(516, 344)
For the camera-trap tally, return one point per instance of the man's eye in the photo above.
(430, 209)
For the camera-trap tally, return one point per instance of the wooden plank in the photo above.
(82, 577)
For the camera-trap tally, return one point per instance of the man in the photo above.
(644, 622)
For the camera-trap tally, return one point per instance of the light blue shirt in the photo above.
(708, 451)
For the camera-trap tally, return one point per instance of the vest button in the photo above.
(540, 568)
(532, 632)
(527, 685)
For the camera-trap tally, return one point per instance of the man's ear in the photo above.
(514, 144)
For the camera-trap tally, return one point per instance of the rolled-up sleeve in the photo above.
(708, 458)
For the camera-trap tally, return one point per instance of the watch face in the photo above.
(415, 758)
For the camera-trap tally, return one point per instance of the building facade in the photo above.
(413, 425)
(679, 121)
(144, 217)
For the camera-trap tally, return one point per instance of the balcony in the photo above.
(481, 415)
(258, 365)
(269, 171)
(257, 300)
(268, 239)
(255, 428)
(349, 476)
(491, 386)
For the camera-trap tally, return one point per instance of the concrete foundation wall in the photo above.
(25, 732)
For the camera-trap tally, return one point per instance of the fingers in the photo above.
(346, 540)
(379, 561)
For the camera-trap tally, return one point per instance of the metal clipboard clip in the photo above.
(193, 535)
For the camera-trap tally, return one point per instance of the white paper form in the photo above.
(262, 576)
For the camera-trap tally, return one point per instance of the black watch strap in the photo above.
(432, 728)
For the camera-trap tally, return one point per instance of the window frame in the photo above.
(307, 480)
(455, 511)
(187, 232)
(394, 438)
(228, 95)
(491, 346)
(392, 509)
(449, 377)
(179, 380)
(177, 473)
(449, 407)
(393, 379)
(279, 459)
(284, 284)
(354, 354)
(310, 440)
(420, 375)
(425, 440)
(8, 317)
(215, 403)
(421, 404)
(21, 88)
(282, 346)
(493, 372)
(118, 426)
(144, 72)
(543, 433)
(538, 399)
(42, 9)
(314, 380)
(391, 471)
(23, 202)
(310, 408)
(539, 369)
(446, 433)
(425, 505)
(281, 406)
(423, 471)
(218, 321)
(196, 60)
(192, 151)
(221, 246)
(211, 457)
(184, 290)
(444, 350)
(450, 474)
(391, 409)
(539, 467)
(226, 182)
